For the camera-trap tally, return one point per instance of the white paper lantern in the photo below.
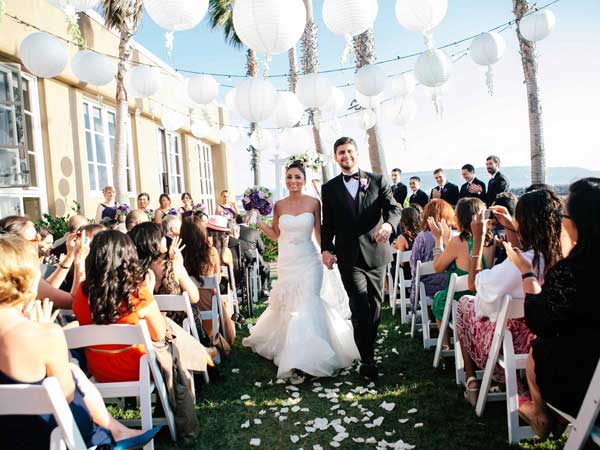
(202, 89)
(261, 139)
(369, 102)
(176, 15)
(93, 68)
(295, 140)
(404, 84)
(537, 26)
(336, 102)
(230, 135)
(269, 26)
(288, 110)
(313, 90)
(370, 80)
(367, 119)
(349, 17)
(432, 68)
(255, 99)
(76, 5)
(144, 80)
(172, 120)
(400, 110)
(230, 100)
(200, 129)
(420, 16)
(43, 55)
(487, 48)
(331, 131)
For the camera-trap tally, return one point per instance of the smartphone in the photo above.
(489, 213)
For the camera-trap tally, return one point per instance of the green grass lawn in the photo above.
(443, 419)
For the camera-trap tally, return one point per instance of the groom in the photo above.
(359, 214)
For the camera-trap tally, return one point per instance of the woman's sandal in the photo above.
(471, 394)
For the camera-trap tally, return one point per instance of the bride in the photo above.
(306, 326)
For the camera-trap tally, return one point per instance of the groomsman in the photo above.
(418, 196)
(444, 190)
(498, 183)
(473, 187)
(399, 189)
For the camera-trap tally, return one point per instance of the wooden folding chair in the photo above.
(456, 284)
(400, 286)
(425, 303)
(47, 398)
(92, 335)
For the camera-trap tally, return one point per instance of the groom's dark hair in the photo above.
(342, 141)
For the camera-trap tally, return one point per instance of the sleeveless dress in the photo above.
(439, 301)
(306, 325)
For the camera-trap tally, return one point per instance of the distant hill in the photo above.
(519, 176)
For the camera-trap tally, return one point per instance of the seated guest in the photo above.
(398, 188)
(108, 203)
(561, 314)
(134, 217)
(422, 249)
(250, 241)
(164, 208)
(218, 233)
(538, 228)
(453, 254)
(34, 348)
(410, 224)
(536, 186)
(46, 242)
(200, 258)
(115, 291)
(73, 225)
(187, 205)
(171, 226)
(227, 207)
(509, 201)
(444, 189)
(418, 196)
(473, 187)
(498, 183)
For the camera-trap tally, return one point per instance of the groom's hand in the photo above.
(383, 233)
(329, 259)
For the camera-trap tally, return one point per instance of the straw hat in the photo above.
(218, 223)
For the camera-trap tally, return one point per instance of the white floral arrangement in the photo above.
(312, 161)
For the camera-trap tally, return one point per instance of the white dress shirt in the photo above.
(352, 184)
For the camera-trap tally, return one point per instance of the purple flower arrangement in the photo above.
(172, 212)
(199, 208)
(123, 209)
(258, 198)
(150, 213)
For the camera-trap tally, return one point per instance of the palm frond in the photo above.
(121, 14)
(221, 16)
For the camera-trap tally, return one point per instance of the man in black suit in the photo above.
(418, 196)
(250, 240)
(399, 189)
(444, 190)
(498, 183)
(473, 187)
(359, 215)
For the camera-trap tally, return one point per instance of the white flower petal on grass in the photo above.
(412, 411)
(403, 420)
(395, 351)
(334, 444)
(245, 397)
(246, 424)
(337, 384)
(371, 440)
(359, 440)
(282, 418)
(295, 408)
(377, 422)
(387, 406)
(235, 370)
(258, 384)
(341, 412)
(294, 438)
(255, 442)
(262, 412)
(284, 410)
(304, 410)
(334, 407)
(317, 447)
(418, 425)
(292, 388)
(257, 421)
(296, 394)
(280, 381)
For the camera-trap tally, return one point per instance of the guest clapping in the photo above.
(473, 187)
(444, 189)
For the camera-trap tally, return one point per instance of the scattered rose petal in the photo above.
(294, 438)
(388, 406)
(418, 425)
(359, 440)
(371, 440)
(334, 444)
(246, 424)
(317, 447)
(255, 442)
(235, 370)
(258, 384)
(245, 397)
(403, 420)
(257, 421)
(377, 422)
(412, 411)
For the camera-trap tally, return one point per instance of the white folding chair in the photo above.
(456, 284)
(216, 312)
(176, 303)
(509, 309)
(255, 278)
(401, 286)
(232, 300)
(47, 398)
(583, 426)
(424, 302)
(92, 335)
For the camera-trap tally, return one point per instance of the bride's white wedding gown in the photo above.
(306, 325)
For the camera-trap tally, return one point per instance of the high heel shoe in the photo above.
(138, 441)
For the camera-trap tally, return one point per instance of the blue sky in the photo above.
(474, 124)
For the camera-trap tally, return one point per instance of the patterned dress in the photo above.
(422, 250)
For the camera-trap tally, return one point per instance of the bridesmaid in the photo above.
(109, 202)
(187, 208)
(165, 204)
(227, 207)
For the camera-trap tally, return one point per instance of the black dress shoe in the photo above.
(369, 371)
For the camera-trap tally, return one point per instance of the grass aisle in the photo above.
(346, 412)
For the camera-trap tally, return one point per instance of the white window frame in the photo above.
(39, 191)
(167, 154)
(89, 105)
(207, 179)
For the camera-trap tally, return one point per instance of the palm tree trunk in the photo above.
(364, 47)
(536, 127)
(252, 71)
(121, 119)
(310, 64)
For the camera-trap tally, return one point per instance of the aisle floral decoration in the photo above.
(258, 198)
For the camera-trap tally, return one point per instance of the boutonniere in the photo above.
(364, 184)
